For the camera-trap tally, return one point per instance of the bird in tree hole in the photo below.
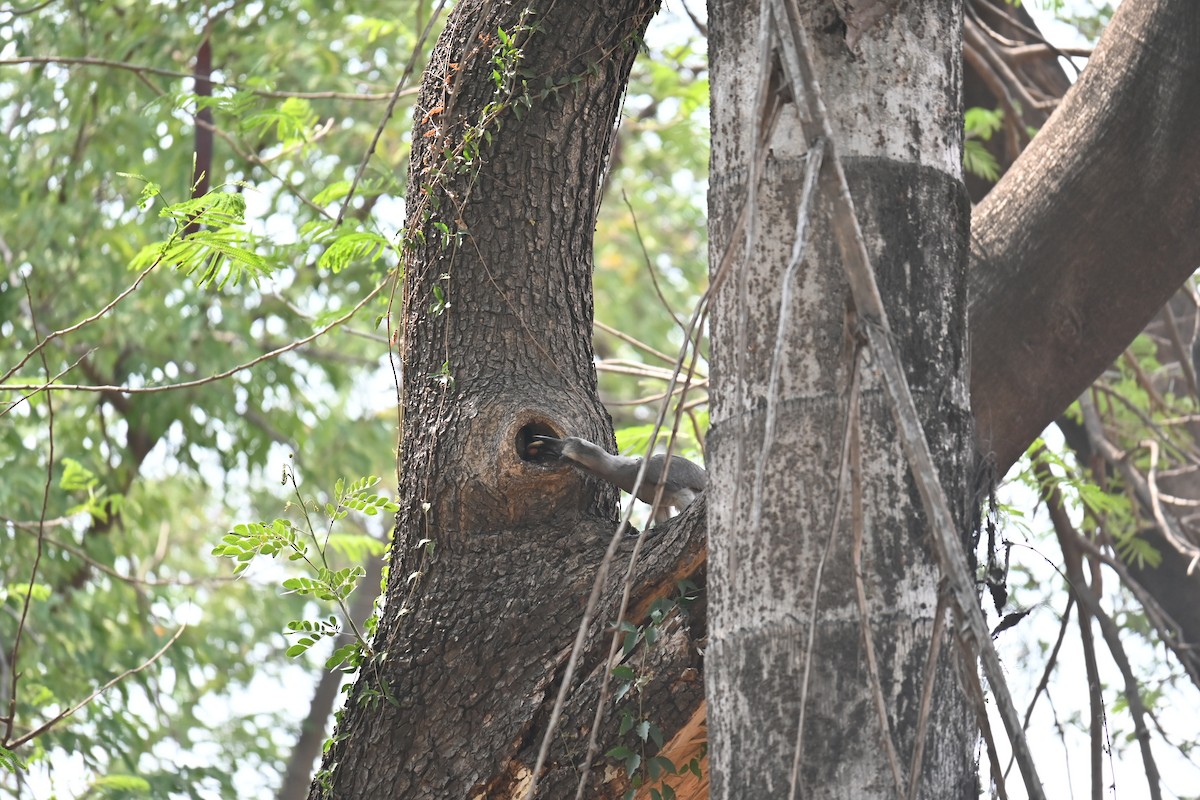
(682, 480)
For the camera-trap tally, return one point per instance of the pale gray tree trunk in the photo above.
(894, 102)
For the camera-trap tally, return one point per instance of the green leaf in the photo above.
(351, 247)
(122, 783)
(623, 672)
(342, 654)
(76, 477)
(10, 761)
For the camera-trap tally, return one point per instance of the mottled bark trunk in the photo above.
(895, 108)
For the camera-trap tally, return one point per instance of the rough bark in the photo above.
(494, 553)
(1090, 232)
(895, 105)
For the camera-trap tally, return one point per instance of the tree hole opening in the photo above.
(526, 444)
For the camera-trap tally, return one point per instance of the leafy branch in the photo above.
(281, 537)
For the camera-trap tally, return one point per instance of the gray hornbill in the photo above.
(682, 481)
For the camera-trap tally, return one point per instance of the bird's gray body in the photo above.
(682, 480)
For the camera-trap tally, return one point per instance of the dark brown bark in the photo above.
(1091, 231)
(1082, 243)
(495, 554)
(1025, 90)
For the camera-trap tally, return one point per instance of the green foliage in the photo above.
(10, 761)
(1090, 19)
(98, 188)
(640, 756)
(331, 587)
(121, 786)
(979, 125)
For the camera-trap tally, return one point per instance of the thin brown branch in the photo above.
(142, 70)
(38, 731)
(1181, 352)
(637, 230)
(1168, 629)
(43, 386)
(638, 343)
(59, 387)
(1032, 52)
(387, 114)
(1144, 381)
(1032, 33)
(1140, 486)
(1069, 542)
(1048, 669)
(1186, 452)
(14, 656)
(654, 398)
(82, 323)
(32, 529)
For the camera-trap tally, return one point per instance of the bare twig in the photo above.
(143, 69)
(32, 529)
(637, 230)
(639, 344)
(1029, 52)
(47, 725)
(83, 322)
(387, 114)
(1185, 452)
(1100, 442)
(48, 382)
(14, 656)
(1089, 607)
(59, 387)
(1051, 663)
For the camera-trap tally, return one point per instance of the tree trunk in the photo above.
(894, 101)
(494, 553)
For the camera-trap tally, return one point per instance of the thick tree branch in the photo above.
(1091, 230)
